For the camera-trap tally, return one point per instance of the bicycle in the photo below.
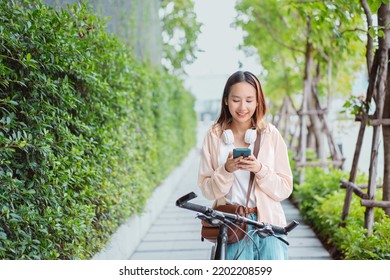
(227, 220)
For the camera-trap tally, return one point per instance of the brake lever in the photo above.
(267, 231)
(281, 239)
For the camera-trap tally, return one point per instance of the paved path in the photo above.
(175, 235)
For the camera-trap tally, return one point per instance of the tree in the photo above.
(378, 41)
(180, 32)
(385, 21)
(321, 41)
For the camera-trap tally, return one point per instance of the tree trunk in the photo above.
(315, 120)
(383, 49)
(370, 43)
(384, 20)
(309, 60)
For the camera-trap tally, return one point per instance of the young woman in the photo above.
(225, 179)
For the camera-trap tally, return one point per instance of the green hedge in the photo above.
(321, 201)
(86, 131)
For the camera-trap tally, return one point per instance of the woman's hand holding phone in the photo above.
(248, 163)
(231, 163)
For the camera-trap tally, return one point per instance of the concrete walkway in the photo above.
(175, 233)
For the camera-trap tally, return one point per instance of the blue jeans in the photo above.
(269, 248)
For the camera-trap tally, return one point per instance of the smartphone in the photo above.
(238, 152)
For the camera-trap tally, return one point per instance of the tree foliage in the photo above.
(279, 31)
(180, 32)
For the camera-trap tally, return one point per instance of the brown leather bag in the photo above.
(235, 232)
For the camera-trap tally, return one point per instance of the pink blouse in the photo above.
(273, 183)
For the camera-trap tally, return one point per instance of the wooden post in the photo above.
(381, 92)
(359, 143)
(309, 60)
(369, 214)
(333, 148)
(371, 203)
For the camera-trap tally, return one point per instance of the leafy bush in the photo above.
(351, 241)
(321, 201)
(86, 131)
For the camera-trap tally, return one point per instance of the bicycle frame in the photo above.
(220, 249)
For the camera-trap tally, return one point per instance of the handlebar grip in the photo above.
(291, 226)
(194, 207)
(279, 230)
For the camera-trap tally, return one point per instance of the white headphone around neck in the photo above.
(250, 136)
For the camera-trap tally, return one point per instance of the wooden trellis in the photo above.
(285, 124)
(297, 130)
(368, 199)
(335, 153)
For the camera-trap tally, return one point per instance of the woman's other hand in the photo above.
(249, 163)
(231, 164)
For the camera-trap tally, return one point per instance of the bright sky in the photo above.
(220, 57)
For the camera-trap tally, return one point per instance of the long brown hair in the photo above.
(225, 118)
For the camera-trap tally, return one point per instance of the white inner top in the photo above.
(238, 192)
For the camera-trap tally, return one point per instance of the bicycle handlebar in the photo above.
(183, 203)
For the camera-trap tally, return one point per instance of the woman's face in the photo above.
(242, 102)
